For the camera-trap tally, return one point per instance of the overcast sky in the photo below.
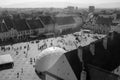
(5, 3)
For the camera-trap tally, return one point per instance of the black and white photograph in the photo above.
(59, 39)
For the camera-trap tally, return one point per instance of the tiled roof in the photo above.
(20, 24)
(3, 27)
(34, 24)
(5, 24)
(0, 28)
(118, 16)
(8, 23)
(104, 21)
(46, 20)
(64, 20)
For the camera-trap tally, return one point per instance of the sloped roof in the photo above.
(104, 21)
(5, 24)
(118, 16)
(8, 23)
(46, 20)
(0, 28)
(20, 24)
(64, 20)
(34, 24)
(3, 27)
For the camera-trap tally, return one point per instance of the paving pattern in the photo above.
(25, 54)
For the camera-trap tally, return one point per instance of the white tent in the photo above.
(4, 59)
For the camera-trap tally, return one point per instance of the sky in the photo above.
(43, 3)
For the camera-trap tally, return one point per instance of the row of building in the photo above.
(21, 27)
